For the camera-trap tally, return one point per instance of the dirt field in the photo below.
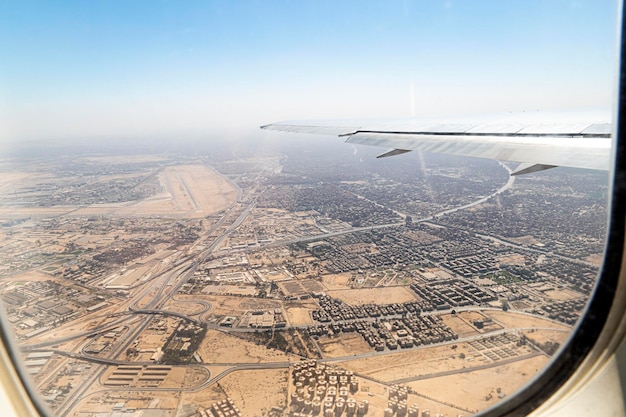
(300, 315)
(411, 363)
(469, 390)
(512, 320)
(515, 259)
(336, 281)
(30, 276)
(543, 336)
(219, 347)
(205, 398)
(343, 345)
(384, 295)
(229, 306)
(469, 317)
(595, 259)
(256, 392)
(562, 295)
(458, 325)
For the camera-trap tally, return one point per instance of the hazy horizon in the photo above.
(100, 70)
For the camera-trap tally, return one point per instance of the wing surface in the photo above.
(572, 142)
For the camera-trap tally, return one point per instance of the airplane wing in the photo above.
(536, 144)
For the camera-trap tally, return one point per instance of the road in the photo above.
(151, 297)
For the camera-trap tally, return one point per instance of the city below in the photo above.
(307, 280)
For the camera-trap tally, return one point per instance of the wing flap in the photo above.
(574, 142)
(580, 152)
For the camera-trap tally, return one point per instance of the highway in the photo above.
(151, 297)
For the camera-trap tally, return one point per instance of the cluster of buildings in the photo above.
(224, 408)
(319, 389)
(443, 295)
(407, 332)
(150, 376)
(329, 200)
(36, 306)
(565, 311)
(333, 309)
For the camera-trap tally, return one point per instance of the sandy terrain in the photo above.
(256, 392)
(300, 315)
(191, 191)
(343, 345)
(411, 363)
(470, 316)
(595, 259)
(30, 276)
(516, 320)
(514, 259)
(219, 347)
(562, 295)
(543, 336)
(336, 281)
(228, 306)
(377, 395)
(103, 402)
(187, 307)
(458, 325)
(383, 295)
(204, 398)
(230, 290)
(469, 390)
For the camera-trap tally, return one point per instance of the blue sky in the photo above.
(94, 69)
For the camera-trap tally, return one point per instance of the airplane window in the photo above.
(160, 255)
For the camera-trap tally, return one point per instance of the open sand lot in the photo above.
(228, 306)
(343, 345)
(336, 281)
(411, 363)
(206, 397)
(469, 317)
(379, 296)
(595, 259)
(459, 325)
(543, 336)
(30, 276)
(219, 347)
(515, 259)
(300, 314)
(377, 395)
(562, 295)
(256, 392)
(516, 320)
(230, 290)
(469, 390)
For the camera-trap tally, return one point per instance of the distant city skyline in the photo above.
(142, 69)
